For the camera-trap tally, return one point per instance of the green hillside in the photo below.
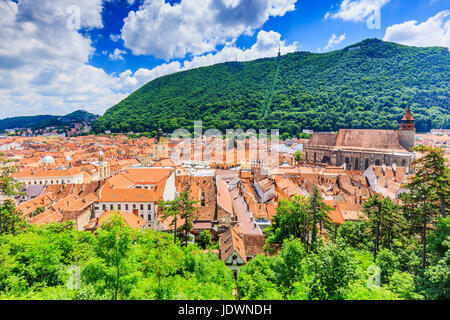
(42, 121)
(366, 85)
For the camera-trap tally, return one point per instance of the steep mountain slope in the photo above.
(367, 85)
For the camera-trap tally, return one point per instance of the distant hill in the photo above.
(367, 85)
(39, 122)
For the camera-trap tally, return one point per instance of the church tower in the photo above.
(407, 131)
(160, 135)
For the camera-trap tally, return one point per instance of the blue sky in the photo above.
(56, 57)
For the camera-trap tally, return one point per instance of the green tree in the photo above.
(354, 234)
(320, 213)
(205, 239)
(403, 284)
(431, 169)
(329, 272)
(188, 214)
(298, 156)
(436, 280)
(11, 221)
(164, 262)
(388, 263)
(171, 210)
(428, 192)
(112, 247)
(292, 219)
(373, 208)
(8, 185)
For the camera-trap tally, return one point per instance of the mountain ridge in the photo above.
(42, 121)
(369, 84)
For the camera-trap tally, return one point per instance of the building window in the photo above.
(377, 162)
(104, 207)
(119, 207)
(403, 163)
(149, 207)
(111, 207)
(149, 217)
(134, 206)
(126, 207)
(142, 207)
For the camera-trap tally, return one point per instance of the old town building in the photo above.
(358, 149)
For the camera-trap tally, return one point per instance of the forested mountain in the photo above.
(367, 85)
(39, 122)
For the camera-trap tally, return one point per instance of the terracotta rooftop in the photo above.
(223, 196)
(46, 173)
(230, 241)
(109, 194)
(359, 138)
(141, 176)
(408, 116)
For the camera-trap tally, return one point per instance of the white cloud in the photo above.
(44, 64)
(195, 27)
(334, 40)
(433, 32)
(267, 45)
(115, 37)
(357, 10)
(117, 54)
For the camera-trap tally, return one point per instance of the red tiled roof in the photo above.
(46, 173)
(230, 241)
(109, 194)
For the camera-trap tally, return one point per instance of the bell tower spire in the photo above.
(407, 131)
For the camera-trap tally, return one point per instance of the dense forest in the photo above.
(367, 85)
(42, 121)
